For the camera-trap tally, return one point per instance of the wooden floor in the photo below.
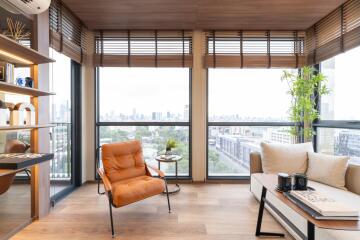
(200, 212)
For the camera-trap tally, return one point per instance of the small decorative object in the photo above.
(2, 72)
(171, 143)
(29, 82)
(284, 182)
(3, 114)
(9, 73)
(6, 72)
(16, 146)
(16, 30)
(20, 81)
(23, 114)
(300, 182)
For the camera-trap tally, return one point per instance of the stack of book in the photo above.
(322, 207)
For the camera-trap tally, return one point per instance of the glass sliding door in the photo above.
(61, 117)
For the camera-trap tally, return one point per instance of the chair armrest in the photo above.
(105, 179)
(161, 174)
(255, 163)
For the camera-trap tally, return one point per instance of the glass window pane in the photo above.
(60, 116)
(153, 140)
(144, 94)
(343, 74)
(247, 95)
(229, 147)
(336, 141)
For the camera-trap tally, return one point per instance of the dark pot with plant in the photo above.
(305, 87)
(170, 144)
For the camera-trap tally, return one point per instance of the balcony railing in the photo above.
(60, 145)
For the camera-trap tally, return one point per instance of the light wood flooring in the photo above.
(199, 212)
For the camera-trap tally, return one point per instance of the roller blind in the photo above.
(255, 49)
(337, 32)
(135, 48)
(66, 32)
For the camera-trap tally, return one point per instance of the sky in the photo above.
(258, 93)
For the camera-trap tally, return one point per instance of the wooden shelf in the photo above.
(15, 53)
(29, 127)
(12, 88)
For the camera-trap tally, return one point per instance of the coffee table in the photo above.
(269, 182)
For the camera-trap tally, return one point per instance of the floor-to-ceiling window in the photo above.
(338, 131)
(245, 107)
(60, 116)
(149, 104)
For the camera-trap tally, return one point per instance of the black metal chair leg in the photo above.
(98, 182)
(111, 219)
(260, 217)
(28, 173)
(167, 195)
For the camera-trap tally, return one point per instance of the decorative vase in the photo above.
(168, 151)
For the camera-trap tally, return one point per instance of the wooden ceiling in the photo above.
(202, 14)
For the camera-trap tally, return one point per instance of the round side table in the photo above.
(174, 159)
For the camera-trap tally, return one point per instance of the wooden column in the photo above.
(40, 137)
(199, 106)
(88, 112)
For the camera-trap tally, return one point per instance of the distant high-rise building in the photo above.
(280, 136)
(156, 116)
(186, 112)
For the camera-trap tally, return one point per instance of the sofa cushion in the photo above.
(286, 158)
(327, 169)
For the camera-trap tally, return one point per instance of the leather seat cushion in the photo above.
(135, 189)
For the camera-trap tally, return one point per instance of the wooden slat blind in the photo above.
(66, 31)
(255, 49)
(135, 48)
(337, 32)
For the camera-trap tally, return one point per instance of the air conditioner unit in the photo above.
(25, 6)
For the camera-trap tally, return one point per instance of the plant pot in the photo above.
(168, 151)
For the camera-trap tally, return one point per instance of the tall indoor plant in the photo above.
(305, 87)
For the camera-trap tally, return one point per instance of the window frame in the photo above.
(326, 124)
(229, 124)
(99, 124)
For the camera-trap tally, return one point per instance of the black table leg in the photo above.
(260, 217)
(310, 231)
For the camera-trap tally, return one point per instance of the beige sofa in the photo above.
(293, 222)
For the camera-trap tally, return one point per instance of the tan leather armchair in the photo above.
(126, 177)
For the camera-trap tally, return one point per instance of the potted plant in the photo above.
(170, 144)
(304, 88)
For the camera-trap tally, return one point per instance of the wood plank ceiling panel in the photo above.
(202, 14)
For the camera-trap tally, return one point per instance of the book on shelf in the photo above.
(326, 206)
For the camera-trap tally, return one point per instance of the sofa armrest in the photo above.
(105, 179)
(353, 178)
(255, 163)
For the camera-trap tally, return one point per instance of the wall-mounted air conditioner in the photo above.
(25, 6)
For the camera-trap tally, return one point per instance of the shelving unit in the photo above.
(21, 56)
(12, 88)
(28, 127)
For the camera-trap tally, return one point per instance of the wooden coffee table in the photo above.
(269, 182)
